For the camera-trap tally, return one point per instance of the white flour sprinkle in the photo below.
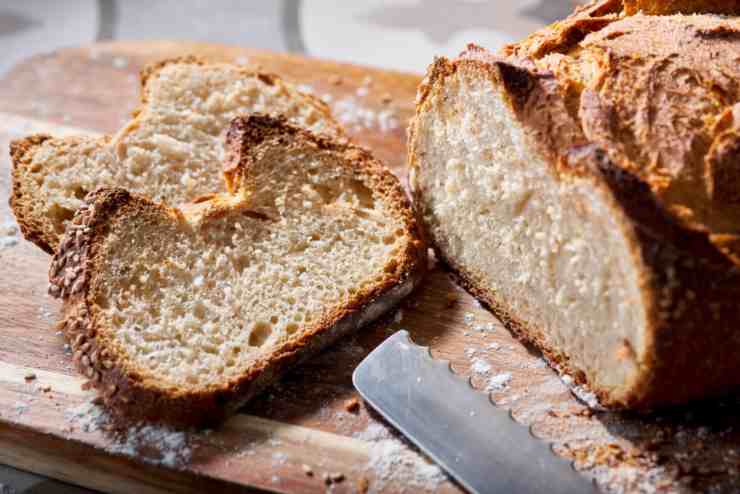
(538, 364)
(582, 393)
(493, 346)
(398, 317)
(480, 366)
(241, 60)
(499, 381)
(279, 459)
(468, 318)
(46, 314)
(151, 443)
(350, 113)
(393, 462)
(305, 88)
(488, 327)
(586, 396)
(120, 62)
(20, 408)
(8, 234)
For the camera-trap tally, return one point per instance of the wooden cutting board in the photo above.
(302, 423)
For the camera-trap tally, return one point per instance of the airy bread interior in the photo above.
(551, 252)
(192, 301)
(170, 152)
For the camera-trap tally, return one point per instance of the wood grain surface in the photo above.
(302, 423)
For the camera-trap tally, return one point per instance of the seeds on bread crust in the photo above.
(111, 320)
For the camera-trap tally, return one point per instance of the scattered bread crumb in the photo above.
(336, 477)
(30, 376)
(120, 62)
(335, 80)
(352, 405)
(307, 470)
(363, 485)
(386, 99)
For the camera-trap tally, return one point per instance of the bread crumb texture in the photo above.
(196, 304)
(583, 183)
(171, 151)
(183, 314)
(659, 93)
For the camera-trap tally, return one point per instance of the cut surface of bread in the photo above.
(563, 224)
(182, 315)
(171, 151)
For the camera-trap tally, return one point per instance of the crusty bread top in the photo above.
(170, 151)
(659, 94)
(666, 7)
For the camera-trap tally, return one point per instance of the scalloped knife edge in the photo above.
(479, 444)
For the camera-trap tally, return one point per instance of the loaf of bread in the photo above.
(585, 184)
(170, 151)
(182, 315)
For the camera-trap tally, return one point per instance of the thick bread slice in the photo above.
(182, 315)
(584, 185)
(169, 152)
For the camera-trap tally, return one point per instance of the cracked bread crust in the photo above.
(660, 95)
(689, 276)
(75, 273)
(669, 7)
(44, 225)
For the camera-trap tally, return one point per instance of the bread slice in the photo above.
(182, 315)
(169, 152)
(573, 183)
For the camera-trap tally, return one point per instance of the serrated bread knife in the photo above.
(478, 444)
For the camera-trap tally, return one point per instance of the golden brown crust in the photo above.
(690, 278)
(20, 157)
(667, 7)
(24, 196)
(73, 277)
(40, 230)
(152, 70)
(248, 136)
(652, 91)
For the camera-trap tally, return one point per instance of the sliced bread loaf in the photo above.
(182, 315)
(583, 183)
(171, 151)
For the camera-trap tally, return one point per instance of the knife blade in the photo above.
(477, 443)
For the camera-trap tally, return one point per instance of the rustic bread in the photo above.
(584, 184)
(169, 152)
(182, 315)
(664, 7)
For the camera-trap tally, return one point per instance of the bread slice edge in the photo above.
(123, 390)
(38, 229)
(685, 282)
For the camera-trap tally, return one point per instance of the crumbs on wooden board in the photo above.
(392, 462)
(152, 443)
(352, 405)
(9, 234)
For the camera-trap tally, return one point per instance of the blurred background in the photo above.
(398, 34)
(394, 34)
